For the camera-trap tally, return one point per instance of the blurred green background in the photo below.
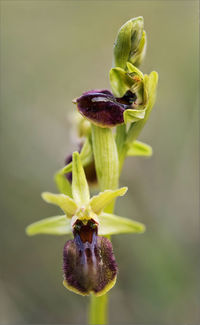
(52, 51)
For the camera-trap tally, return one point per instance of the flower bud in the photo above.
(130, 44)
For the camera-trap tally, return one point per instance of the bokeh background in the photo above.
(52, 51)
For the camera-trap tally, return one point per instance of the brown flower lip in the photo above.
(88, 261)
(102, 108)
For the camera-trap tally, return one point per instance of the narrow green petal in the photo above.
(138, 148)
(63, 201)
(133, 115)
(59, 225)
(101, 201)
(80, 187)
(111, 224)
(63, 184)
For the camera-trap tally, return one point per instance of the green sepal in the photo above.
(99, 202)
(134, 71)
(120, 81)
(86, 156)
(138, 148)
(59, 225)
(150, 85)
(80, 189)
(111, 224)
(141, 51)
(151, 88)
(133, 115)
(63, 184)
(66, 203)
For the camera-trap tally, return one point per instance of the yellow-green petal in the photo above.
(111, 224)
(63, 201)
(59, 225)
(103, 199)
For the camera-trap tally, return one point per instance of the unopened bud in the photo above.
(130, 44)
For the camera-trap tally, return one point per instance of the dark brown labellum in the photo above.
(89, 263)
(102, 108)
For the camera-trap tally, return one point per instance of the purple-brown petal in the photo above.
(89, 263)
(101, 108)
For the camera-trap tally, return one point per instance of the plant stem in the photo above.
(98, 310)
(107, 169)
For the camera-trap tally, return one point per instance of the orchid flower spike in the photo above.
(89, 264)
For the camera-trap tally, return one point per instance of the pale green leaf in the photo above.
(63, 201)
(101, 201)
(59, 225)
(63, 184)
(138, 148)
(80, 187)
(111, 224)
(133, 115)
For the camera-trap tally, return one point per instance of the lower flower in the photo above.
(88, 261)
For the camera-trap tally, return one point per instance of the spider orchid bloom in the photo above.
(127, 103)
(89, 264)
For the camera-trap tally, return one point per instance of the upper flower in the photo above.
(88, 261)
(128, 103)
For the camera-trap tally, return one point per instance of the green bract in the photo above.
(83, 207)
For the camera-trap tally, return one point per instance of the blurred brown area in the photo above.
(51, 52)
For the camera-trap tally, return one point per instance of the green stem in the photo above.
(107, 169)
(98, 310)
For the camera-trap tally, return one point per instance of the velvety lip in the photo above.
(88, 261)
